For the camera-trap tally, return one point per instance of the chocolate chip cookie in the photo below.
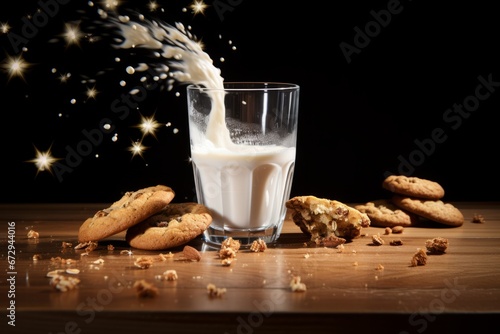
(435, 210)
(321, 218)
(132, 208)
(175, 225)
(383, 213)
(413, 187)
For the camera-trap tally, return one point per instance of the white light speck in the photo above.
(175, 131)
(177, 94)
(130, 70)
(222, 59)
(123, 83)
(118, 60)
(107, 126)
(73, 101)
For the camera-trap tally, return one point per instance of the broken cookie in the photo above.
(321, 218)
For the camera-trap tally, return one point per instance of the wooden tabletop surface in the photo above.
(360, 288)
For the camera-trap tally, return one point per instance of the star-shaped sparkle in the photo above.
(15, 66)
(153, 5)
(91, 93)
(137, 148)
(4, 27)
(148, 125)
(111, 4)
(43, 160)
(198, 7)
(72, 34)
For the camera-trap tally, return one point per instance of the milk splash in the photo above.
(188, 64)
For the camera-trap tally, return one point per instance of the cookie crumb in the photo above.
(437, 245)
(397, 229)
(168, 275)
(296, 285)
(63, 283)
(89, 246)
(32, 234)
(478, 219)
(396, 242)
(110, 247)
(227, 253)
(331, 241)
(143, 262)
(258, 246)
(340, 248)
(419, 258)
(387, 231)
(214, 291)
(165, 257)
(379, 267)
(37, 257)
(226, 262)
(231, 243)
(377, 240)
(126, 252)
(72, 271)
(65, 244)
(98, 261)
(145, 289)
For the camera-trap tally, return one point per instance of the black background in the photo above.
(357, 119)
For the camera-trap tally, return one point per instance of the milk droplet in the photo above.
(130, 70)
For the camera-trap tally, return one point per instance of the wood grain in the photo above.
(346, 289)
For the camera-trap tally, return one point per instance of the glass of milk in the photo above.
(243, 140)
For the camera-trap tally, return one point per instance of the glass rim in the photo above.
(247, 86)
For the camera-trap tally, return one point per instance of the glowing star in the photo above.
(91, 93)
(137, 149)
(72, 34)
(15, 66)
(43, 161)
(198, 7)
(64, 77)
(111, 4)
(148, 126)
(153, 5)
(4, 28)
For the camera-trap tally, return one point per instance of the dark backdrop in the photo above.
(408, 87)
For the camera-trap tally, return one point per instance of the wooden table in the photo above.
(347, 291)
